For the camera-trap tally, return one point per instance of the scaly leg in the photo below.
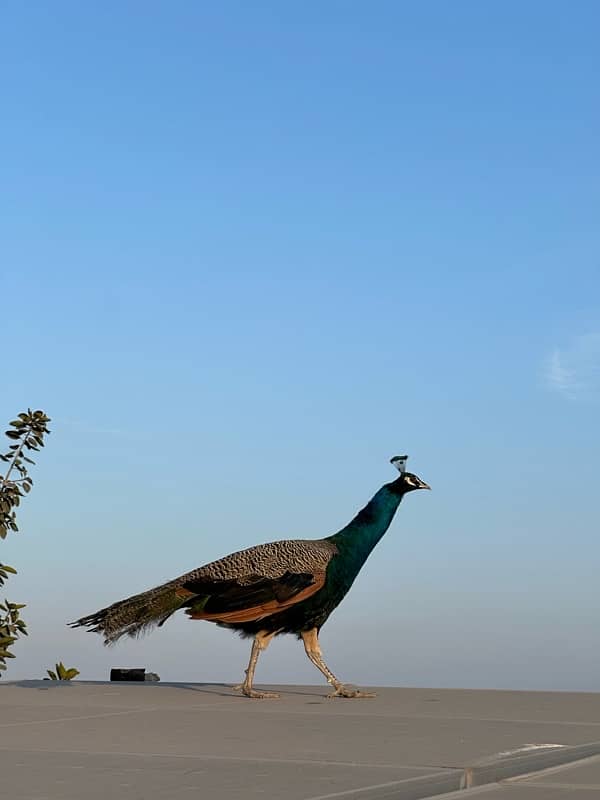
(313, 651)
(260, 643)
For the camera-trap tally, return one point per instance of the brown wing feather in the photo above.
(249, 603)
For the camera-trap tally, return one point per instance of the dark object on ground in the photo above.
(136, 674)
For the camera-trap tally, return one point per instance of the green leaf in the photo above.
(71, 673)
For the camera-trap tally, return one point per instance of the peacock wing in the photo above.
(257, 582)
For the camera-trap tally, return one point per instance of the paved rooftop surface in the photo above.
(155, 741)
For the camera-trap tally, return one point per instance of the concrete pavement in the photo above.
(156, 741)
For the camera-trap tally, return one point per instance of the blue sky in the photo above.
(251, 251)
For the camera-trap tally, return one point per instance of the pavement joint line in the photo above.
(244, 759)
(460, 794)
(570, 723)
(374, 786)
(291, 712)
(570, 786)
(74, 719)
(286, 712)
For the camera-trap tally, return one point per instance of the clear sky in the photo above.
(252, 250)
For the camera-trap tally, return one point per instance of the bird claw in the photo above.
(349, 691)
(256, 694)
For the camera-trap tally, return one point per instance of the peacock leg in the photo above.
(313, 651)
(260, 643)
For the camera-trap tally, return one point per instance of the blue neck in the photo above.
(371, 522)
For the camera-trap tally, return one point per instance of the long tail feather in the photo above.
(135, 615)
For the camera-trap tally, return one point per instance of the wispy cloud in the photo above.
(559, 377)
(574, 370)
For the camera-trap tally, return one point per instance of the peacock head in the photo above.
(408, 481)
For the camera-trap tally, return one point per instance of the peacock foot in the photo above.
(255, 694)
(344, 690)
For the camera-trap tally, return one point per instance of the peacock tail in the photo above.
(135, 615)
(238, 578)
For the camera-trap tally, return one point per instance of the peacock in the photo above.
(289, 586)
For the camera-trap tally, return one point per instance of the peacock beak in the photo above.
(423, 485)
